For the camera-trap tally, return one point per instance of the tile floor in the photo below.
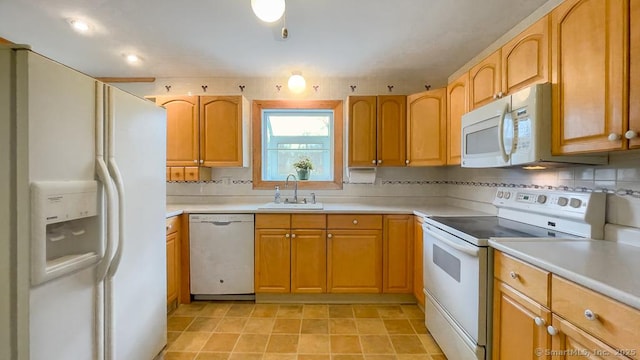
(247, 331)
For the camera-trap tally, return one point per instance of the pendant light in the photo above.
(268, 10)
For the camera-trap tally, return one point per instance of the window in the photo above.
(285, 131)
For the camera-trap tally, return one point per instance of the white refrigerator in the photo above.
(82, 216)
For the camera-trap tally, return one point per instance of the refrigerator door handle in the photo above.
(117, 177)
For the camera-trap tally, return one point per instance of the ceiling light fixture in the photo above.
(132, 58)
(296, 82)
(268, 10)
(79, 25)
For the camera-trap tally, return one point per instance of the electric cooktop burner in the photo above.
(485, 227)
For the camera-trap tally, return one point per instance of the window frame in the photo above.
(338, 145)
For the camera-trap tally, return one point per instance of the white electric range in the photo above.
(458, 265)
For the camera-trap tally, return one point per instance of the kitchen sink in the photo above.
(296, 206)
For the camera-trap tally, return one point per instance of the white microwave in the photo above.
(515, 131)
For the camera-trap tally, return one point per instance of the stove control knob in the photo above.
(563, 201)
(542, 199)
(575, 203)
(507, 195)
(499, 194)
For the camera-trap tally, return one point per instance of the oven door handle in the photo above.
(469, 250)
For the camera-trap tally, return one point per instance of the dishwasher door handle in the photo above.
(221, 223)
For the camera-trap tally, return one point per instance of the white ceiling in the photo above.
(222, 38)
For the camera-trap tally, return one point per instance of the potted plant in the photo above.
(303, 166)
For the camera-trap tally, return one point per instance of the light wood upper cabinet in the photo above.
(485, 81)
(377, 131)
(516, 335)
(183, 129)
(362, 131)
(391, 131)
(397, 260)
(427, 128)
(525, 59)
(589, 57)
(224, 131)
(457, 105)
(634, 75)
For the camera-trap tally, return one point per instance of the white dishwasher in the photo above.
(221, 248)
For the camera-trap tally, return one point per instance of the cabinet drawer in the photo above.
(173, 225)
(354, 221)
(523, 277)
(191, 173)
(177, 173)
(308, 221)
(614, 323)
(273, 221)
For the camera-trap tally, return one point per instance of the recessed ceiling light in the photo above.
(79, 25)
(132, 58)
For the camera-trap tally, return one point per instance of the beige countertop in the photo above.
(608, 267)
(342, 208)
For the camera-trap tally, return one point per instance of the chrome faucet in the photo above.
(295, 190)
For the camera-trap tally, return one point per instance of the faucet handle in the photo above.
(313, 198)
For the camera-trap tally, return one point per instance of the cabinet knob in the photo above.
(500, 94)
(168, 227)
(286, 235)
(406, 161)
(495, 96)
(293, 236)
(630, 134)
(552, 331)
(514, 275)
(373, 161)
(539, 321)
(329, 236)
(201, 161)
(613, 137)
(195, 161)
(590, 315)
(379, 161)
(355, 222)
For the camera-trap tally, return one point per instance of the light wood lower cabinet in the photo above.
(578, 324)
(354, 261)
(173, 259)
(418, 248)
(519, 325)
(397, 259)
(290, 253)
(308, 261)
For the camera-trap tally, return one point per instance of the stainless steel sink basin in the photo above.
(296, 206)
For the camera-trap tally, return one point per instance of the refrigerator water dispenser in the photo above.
(66, 231)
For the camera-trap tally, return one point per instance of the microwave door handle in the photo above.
(503, 152)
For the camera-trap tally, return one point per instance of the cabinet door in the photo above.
(354, 261)
(418, 276)
(485, 81)
(525, 59)
(391, 130)
(362, 131)
(397, 254)
(172, 266)
(572, 343)
(308, 261)
(457, 105)
(182, 129)
(427, 128)
(634, 74)
(272, 265)
(515, 332)
(221, 130)
(589, 56)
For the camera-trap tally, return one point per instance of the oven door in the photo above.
(455, 276)
(487, 135)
